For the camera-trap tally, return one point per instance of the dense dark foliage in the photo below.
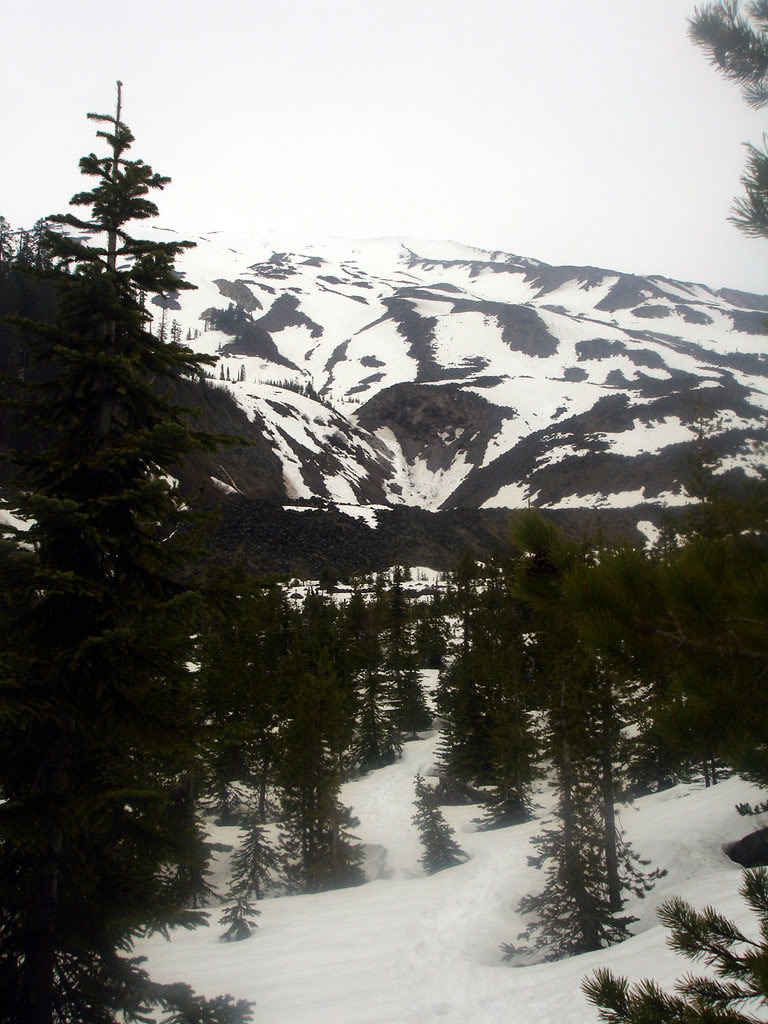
(99, 713)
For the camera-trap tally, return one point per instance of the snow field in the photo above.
(406, 948)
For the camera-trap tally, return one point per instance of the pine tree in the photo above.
(401, 665)
(430, 634)
(466, 691)
(254, 869)
(738, 47)
(6, 245)
(255, 863)
(588, 864)
(740, 965)
(240, 919)
(440, 848)
(698, 610)
(98, 708)
(162, 330)
(514, 749)
(377, 742)
(320, 852)
(464, 751)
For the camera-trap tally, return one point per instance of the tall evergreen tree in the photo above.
(466, 688)
(588, 865)
(430, 633)
(320, 852)
(401, 664)
(377, 741)
(98, 708)
(699, 609)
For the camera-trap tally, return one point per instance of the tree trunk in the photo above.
(572, 867)
(106, 409)
(607, 788)
(37, 983)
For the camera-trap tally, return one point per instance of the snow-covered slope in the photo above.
(442, 376)
(412, 949)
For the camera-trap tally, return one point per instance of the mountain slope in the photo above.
(439, 376)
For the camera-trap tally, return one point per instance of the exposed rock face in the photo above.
(434, 424)
(239, 293)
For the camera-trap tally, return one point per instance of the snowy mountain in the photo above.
(436, 376)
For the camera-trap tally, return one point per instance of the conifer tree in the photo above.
(377, 741)
(400, 663)
(239, 918)
(588, 864)
(320, 852)
(513, 745)
(255, 863)
(430, 634)
(440, 848)
(738, 47)
(254, 869)
(740, 965)
(699, 609)
(6, 244)
(98, 708)
(464, 751)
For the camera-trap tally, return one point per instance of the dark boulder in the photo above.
(751, 851)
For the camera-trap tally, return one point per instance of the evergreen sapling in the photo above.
(440, 848)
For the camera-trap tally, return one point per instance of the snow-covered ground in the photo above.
(412, 949)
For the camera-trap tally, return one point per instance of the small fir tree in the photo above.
(377, 742)
(239, 918)
(255, 863)
(440, 848)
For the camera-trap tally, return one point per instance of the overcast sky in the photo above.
(573, 131)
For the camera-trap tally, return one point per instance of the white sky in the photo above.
(572, 131)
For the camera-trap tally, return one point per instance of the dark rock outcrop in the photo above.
(751, 851)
